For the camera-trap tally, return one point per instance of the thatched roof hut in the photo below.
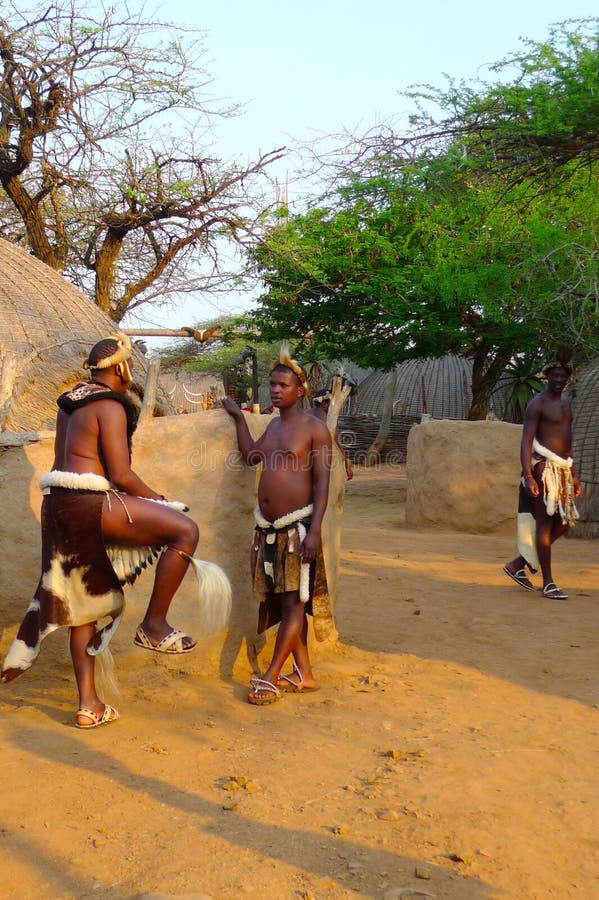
(46, 330)
(585, 433)
(441, 387)
(585, 409)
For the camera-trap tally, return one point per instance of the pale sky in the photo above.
(318, 67)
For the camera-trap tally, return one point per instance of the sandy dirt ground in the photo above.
(451, 751)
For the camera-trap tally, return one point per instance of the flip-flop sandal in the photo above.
(520, 578)
(261, 685)
(295, 687)
(171, 644)
(552, 592)
(109, 715)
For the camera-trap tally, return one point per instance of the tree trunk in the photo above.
(373, 454)
(484, 380)
(481, 396)
(35, 228)
(106, 277)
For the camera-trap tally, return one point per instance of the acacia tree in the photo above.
(107, 177)
(456, 237)
(539, 120)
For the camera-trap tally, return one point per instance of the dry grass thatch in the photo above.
(438, 386)
(585, 407)
(46, 330)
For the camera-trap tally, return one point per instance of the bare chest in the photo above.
(556, 414)
(286, 444)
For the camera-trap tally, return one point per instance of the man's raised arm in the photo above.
(248, 447)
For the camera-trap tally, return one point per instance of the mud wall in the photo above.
(191, 458)
(463, 476)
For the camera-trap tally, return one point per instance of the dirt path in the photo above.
(451, 751)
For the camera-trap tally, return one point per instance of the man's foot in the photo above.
(172, 643)
(552, 592)
(296, 683)
(520, 577)
(89, 718)
(263, 692)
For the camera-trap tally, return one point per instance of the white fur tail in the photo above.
(215, 595)
(106, 681)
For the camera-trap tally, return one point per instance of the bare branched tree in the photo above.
(105, 130)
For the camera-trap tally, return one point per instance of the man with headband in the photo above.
(548, 486)
(289, 577)
(94, 500)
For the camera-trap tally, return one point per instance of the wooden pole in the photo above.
(158, 332)
(8, 375)
(150, 390)
(339, 394)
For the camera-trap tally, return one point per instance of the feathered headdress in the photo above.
(562, 359)
(122, 352)
(285, 360)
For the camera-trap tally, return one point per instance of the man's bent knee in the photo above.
(189, 534)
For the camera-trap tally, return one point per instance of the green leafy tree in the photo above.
(474, 234)
(105, 163)
(540, 120)
(429, 259)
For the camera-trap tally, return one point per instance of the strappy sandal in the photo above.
(171, 644)
(520, 578)
(261, 685)
(552, 592)
(296, 687)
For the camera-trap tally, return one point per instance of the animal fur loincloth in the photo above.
(82, 578)
(78, 584)
(557, 494)
(277, 568)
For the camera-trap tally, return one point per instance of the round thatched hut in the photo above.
(440, 387)
(46, 329)
(585, 407)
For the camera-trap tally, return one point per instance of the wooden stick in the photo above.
(339, 395)
(150, 391)
(8, 375)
